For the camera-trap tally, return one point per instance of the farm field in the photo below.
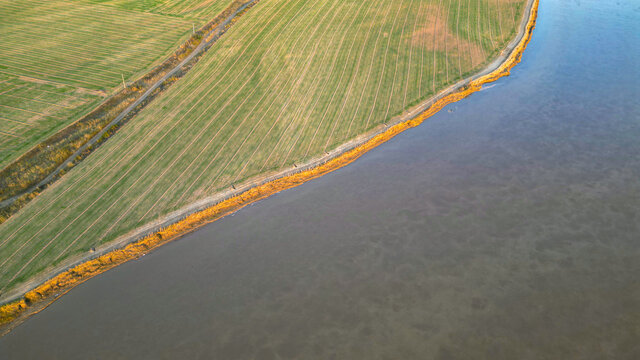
(60, 58)
(202, 10)
(292, 80)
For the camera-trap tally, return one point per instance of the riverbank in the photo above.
(207, 210)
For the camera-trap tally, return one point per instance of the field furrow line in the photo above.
(333, 66)
(366, 82)
(499, 10)
(15, 121)
(446, 43)
(113, 168)
(274, 81)
(408, 76)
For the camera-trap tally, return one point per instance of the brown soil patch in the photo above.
(435, 24)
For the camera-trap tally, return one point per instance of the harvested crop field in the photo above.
(60, 58)
(292, 80)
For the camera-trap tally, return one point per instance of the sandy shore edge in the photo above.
(33, 297)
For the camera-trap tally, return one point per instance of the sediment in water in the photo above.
(37, 299)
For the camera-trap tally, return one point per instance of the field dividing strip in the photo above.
(213, 87)
(78, 198)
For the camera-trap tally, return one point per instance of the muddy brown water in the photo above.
(505, 227)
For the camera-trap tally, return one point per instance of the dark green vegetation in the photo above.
(292, 80)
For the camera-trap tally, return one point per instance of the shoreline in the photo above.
(38, 293)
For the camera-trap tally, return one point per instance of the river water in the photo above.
(505, 227)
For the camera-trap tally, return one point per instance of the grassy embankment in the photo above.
(291, 81)
(60, 59)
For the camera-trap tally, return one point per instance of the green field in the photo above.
(291, 80)
(60, 58)
(190, 9)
